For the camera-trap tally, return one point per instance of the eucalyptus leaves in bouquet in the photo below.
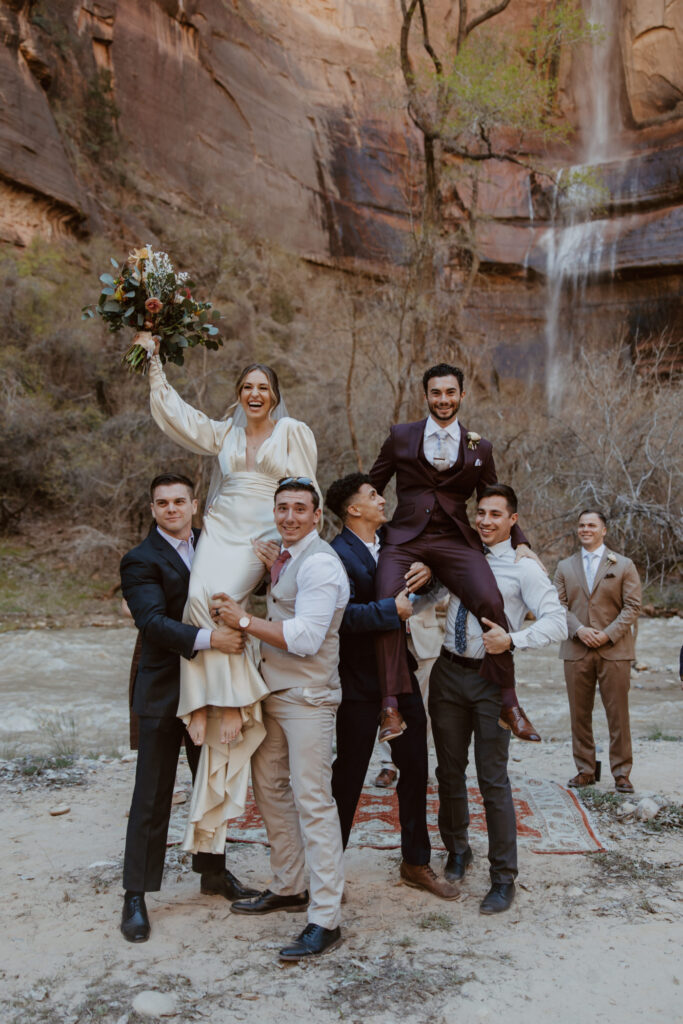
(147, 294)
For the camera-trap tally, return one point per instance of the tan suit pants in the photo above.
(292, 778)
(614, 680)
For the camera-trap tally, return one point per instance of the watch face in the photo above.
(244, 621)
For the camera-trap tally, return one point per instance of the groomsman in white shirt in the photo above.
(463, 703)
(292, 769)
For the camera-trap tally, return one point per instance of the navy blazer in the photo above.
(154, 582)
(364, 616)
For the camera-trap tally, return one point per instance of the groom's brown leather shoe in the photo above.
(391, 724)
(421, 876)
(516, 720)
(581, 780)
(268, 902)
(224, 883)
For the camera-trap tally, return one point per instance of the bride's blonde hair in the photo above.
(271, 377)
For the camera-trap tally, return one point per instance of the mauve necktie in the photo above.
(278, 565)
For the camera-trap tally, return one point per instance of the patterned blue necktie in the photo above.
(460, 632)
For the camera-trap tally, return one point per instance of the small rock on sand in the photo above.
(647, 809)
(59, 809)
(155, 1004)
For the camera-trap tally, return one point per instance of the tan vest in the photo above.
(282, 670)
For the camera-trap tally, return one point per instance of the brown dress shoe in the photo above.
(391, 724)
(421, 876)
(582, 779)
(516, 720)
(623, 784)
(386, 778)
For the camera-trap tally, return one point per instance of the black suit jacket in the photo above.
(419, 486)
(154, 582)
(364, 616)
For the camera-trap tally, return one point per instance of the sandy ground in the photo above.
(592, 937)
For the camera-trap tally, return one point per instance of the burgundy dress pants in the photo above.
(467, 574)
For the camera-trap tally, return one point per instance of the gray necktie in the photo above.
(441, 459)
(460, 630)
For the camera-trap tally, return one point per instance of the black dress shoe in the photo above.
(456, 865)
(498, 898)
(268, 902)
(313, 941)
(224, 883)
(135, 924)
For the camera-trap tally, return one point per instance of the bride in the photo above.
(220, 693)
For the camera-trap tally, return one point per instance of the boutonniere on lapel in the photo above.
(610, 562)
(472, 440)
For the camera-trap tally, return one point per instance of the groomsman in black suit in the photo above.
(361, 509)
(154, 580)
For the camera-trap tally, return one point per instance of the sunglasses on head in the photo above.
(306, 480)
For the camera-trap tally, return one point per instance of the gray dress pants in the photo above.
(463, 704)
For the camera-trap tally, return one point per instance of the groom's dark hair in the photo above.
(166, 479)
(443, 370)
(501, 491)
(340, 493)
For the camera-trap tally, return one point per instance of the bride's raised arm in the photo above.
(184, 424)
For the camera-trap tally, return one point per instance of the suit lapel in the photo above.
(580, 572)
(418, 430)
(360, 550)
(168, 553)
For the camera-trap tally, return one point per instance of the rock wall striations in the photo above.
(281, 113)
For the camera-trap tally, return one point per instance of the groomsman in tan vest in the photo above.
(601, 592)
(292, 769)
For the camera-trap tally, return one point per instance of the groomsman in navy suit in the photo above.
(361, 509)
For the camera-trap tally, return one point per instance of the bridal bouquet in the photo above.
(147, 294)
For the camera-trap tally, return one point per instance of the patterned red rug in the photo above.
(550, 819)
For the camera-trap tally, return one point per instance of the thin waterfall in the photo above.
(576, 246)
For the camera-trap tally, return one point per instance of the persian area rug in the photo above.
(550, 819)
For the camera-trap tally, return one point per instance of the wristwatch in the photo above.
(512, 646)
(245, 622)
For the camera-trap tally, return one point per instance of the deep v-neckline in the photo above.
(260, 447)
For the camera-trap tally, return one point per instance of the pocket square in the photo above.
(609, 576)
(478, 462)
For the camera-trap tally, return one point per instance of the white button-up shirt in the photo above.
(591, 561)
(185, 549)
(431, 442)
(524, 587)
(322, 589)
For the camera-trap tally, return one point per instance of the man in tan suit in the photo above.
(601, 592)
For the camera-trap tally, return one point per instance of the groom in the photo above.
(438, 465)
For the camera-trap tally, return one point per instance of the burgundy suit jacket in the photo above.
(419, 486)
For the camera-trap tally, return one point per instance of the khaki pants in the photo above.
(291, 773)
(614, 680)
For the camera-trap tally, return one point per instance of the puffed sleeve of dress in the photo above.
(181, 422)
(302, 452)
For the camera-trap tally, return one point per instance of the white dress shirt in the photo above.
(431, 443)
(591, 561)
(373, 547)
(524, 587)
(185, 548)
(322, 588)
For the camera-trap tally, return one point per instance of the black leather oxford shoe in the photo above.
(135, 924)
(313, 941)
(224, 883)
(498, 898)
(268, 902)
(456, 865)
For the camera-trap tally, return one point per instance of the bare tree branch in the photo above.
(491, 13)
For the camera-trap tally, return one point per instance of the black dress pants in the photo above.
(462, 704)
(159, 745)
(356, 734)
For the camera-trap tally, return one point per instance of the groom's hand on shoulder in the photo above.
(228, 640)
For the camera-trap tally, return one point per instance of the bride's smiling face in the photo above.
(256, 398)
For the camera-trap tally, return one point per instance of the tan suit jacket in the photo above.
(612, 605)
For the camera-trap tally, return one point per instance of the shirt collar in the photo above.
(175, 542)
(432, 427)
(498, 550)
(598, 551)
(301, 545)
